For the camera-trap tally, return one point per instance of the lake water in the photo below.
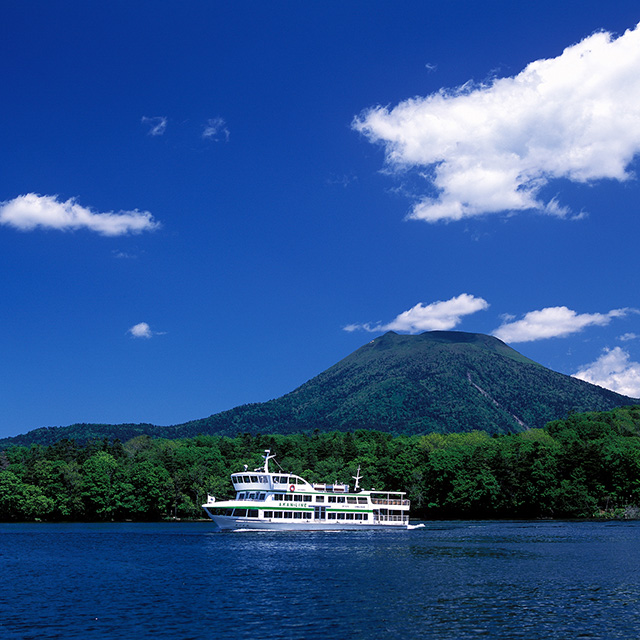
(449, 580)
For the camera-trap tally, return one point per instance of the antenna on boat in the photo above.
(357, 478)
(267, 456)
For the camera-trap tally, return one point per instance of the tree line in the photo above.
(585, 466)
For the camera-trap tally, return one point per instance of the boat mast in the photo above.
(357, 478)
(267, 457)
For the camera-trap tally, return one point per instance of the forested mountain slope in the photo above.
(442, 381)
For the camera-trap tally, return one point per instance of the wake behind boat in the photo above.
(266, 500)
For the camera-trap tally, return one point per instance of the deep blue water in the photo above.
(450, 580)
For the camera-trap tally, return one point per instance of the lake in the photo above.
(449, 580)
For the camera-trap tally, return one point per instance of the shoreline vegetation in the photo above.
(586, 466)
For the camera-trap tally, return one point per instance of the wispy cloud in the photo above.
(553, 322)
(615, 371)
(493, 147)
(626, 337)
(343, 180)
(143, 330)
(157, 125)
(123, 255)
(437, 316)
(32, 211)
(216, 130)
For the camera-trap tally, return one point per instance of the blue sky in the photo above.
(206, 204)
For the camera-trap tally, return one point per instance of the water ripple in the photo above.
(450, 581)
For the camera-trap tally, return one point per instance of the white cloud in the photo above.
(216, 130)
(143, 330)
(30, 211)
(614, 371)
(493, 147)
(553, 322)
(626, 337)
(437, 316)
(157, 125)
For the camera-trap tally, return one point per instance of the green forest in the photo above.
(585, 466)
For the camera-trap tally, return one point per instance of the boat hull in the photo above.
(231, 523)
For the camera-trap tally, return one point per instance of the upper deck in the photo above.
(283, 485)
(263, 482)
(257, 481)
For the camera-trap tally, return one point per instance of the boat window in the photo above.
(331, 516)
(254, 478)
(268, 514)
(341, 516)
(228, 512)
(298, 515)
(246, 479)
(351, 500)
(239, 513)
(362, 501)
(278, 496)
(262, 496)
(349, 516)
(277, 514)
(307, 498)
(340, 498)
(288, 496)
(365, 516)
(332, 499)
(297, 498)
(307, 515)
(241, 496)
(288, 514)
(252, 513)
(251, 496)
(264, 479)
(319, 498)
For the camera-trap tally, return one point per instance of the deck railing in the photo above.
(390, 519)
(390, 502)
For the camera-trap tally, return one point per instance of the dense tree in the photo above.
(586, 465)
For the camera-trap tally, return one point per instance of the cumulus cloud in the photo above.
(493, 147)
(143, 330)
(615, 371)
(553, 322)
(626, 337)
(32, 211)
(157, 125)
(216, 130)
(437, 316)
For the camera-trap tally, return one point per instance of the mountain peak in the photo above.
(453, 339)
(442, 381)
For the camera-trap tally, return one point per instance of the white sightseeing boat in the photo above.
(266, 500)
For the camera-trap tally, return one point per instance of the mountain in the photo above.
(444, 381)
